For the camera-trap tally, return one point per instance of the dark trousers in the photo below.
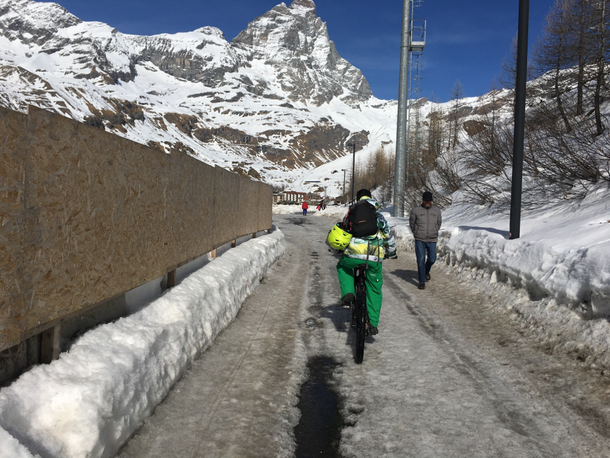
(423, 265)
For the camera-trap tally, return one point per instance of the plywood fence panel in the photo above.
(191, 207)
(226, 212)
(86, 215)
(100, 216)
(265, 212)
(248, 207)
(13, 292)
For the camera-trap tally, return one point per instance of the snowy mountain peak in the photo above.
(33, 22)
(211, 31)
(305, 7)
(295, 41)
(275, 101)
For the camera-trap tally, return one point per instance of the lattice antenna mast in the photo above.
(418, 41)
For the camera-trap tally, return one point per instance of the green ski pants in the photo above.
(374, 280)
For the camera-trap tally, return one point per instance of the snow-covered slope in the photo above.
(274, 103)
(277, 103)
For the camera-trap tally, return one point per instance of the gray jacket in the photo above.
(425, 223)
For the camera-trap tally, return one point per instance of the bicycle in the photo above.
(360, 314)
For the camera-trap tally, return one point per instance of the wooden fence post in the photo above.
(49, 344)
(171, 279)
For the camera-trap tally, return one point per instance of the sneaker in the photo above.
(373, 331)
(428, 277)
(346, 301)
(421, 286)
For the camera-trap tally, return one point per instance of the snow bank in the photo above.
(11, 447)
(286, 209)
(89, 401)
(333, 211)
(402, 232)
(563, 251)
(554, 280)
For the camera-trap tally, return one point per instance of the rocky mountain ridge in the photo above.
(276, 100)
(277, 103)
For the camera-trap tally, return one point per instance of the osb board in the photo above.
(13, 299)
(88, 215)
(265, 212)
(227, 221)
(248, 205)
(100, 216)
(191, 211)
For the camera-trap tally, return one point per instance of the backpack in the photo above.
(361, 219)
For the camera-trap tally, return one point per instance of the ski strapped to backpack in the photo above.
(361, 219)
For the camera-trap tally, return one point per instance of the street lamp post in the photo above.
(519, 134)
(353, 145)
(344, 171)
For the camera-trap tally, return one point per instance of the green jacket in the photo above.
(380, 245)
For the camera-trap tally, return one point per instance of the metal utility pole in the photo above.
(353, 168)
(344, 170)
(412, 43)
(519, 135)
(401, 128)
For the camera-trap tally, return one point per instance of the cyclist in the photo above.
(374, 247)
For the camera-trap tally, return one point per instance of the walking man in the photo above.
(425, 221)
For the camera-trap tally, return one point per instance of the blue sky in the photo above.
(466, 40)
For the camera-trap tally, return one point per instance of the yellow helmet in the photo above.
(337, 238)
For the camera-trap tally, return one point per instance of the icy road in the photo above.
(446, 377)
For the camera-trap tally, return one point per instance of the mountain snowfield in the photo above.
(277, 103)
(274, 103)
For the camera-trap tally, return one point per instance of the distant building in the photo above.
(293, 197)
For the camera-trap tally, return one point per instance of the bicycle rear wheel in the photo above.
(361, 314)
